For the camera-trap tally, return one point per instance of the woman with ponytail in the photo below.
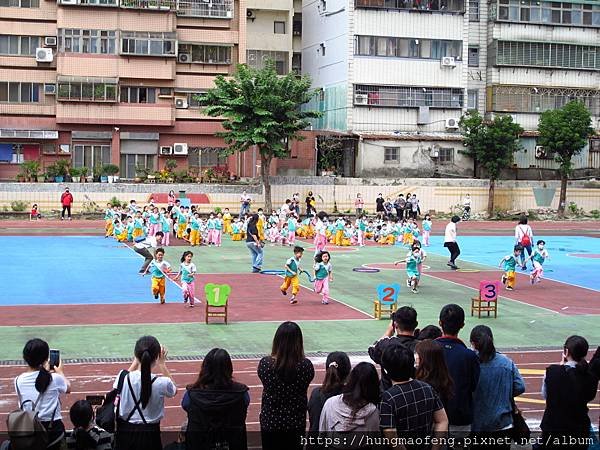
(43, 385)
(568, 387)
(86, 435)
(337, 368)
(499, 382)
(143, 397)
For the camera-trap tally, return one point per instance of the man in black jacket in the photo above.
(463, 366)
(401, 331)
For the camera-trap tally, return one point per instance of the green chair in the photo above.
(217, 297)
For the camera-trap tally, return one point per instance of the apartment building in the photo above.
(397, 75)
(115, 81)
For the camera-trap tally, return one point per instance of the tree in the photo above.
(491, 144)
(564, 132)
(260, 109)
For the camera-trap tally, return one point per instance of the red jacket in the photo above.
(66, 199)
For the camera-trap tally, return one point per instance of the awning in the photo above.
(6, 152)
(28, 134)
(135, 147)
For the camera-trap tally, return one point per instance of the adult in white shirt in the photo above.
(143, 248)
(142, 404)
(40, 388)
(524, 238)
(245, 201)
(450, 241)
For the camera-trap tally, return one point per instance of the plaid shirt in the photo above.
(409, 408)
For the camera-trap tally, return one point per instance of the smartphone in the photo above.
(95, 400)
(54, 358)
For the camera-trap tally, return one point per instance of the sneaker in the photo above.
(293, 300)
(156, 297)
(503, 279)
(191, 306)
(162, 301)
(532, 279)
(523, 268)
(508, 288)
(185, 299)
(407, 283)
(285, 293)
(415, 291)
(324, 302)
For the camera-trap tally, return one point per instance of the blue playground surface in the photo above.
(68, 270)
(562, 266)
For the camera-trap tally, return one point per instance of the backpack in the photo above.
(106, 415)
(525, 240)
(25, 429)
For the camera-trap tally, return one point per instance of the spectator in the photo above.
(311, 204)
(355, 409)
(499, 382)
(66, 201)
(429, 332)
(463, 367)
(142, 403)
(337, 368)
(143, 248)
(410, 408)
(216, 406)
(379, 206)
(432, 368)
(86, 435)
(285, 375)
(42, 386)
(389, 208)
(407, 206)
(245, 202)
(401, 331)
(524, 238)
(415, 208)
(467, 207)
(296, 203)
(399, 204)
(359, 205)
(450, 242)
(254, 244)
(171, 200)
(568, 387)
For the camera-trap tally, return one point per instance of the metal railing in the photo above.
(219, 9)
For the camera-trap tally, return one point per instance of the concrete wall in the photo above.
(435, 194)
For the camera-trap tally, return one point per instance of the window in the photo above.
(258, 59)
(594, 145)
(279, 27)
(394, 47)
(15, 92)
(446, 155)
(442, 6)
(18, 45)
(98, 2)
(391, 155)
(86, 41)
(473, 57)
(131, 163)
(132, 94)
(202, 8)
(410, 96)
(20, 3)
(193, 99)
(555, 13)
(541, 54)
(472, 99)
(473, 10)
(87, 91)
(90, 156)
(206, 157)
(144, 43)
(207, 54)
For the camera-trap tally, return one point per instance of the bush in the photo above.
(170, 164)
(532, 214)
(574, 209)
(18, 206)
(218, 210)
(114, 201)
(110, 169)
(595, 213)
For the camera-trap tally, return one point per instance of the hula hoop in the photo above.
(272, 272)
(468, 270)
(365, 270)
(310, 278)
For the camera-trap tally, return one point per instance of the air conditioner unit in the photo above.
(229, 14)
(166, 150)
(184, 58)
(452, 124)
(165, 93)
(448, 61)
(50, 41)
(250, 14)
(361, 99)
(181, 103)
(180, 149)
(540, 152)
(43, 55)
(50, 89)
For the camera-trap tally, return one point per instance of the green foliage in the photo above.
(595, 213)
(30, 169)
(218, 210)
(74, 171)
(532, 214)
(491, 144)
(83, 171)
(110, 169)
(564, 132)
(182, 176)
(62, 167)
(574, 209)
(170, 164)
(18, 206)
(114, 201)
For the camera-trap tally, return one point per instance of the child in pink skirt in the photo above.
(187, 271)
(323, 275)
(426, 230)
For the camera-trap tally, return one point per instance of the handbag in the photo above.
(520, 432)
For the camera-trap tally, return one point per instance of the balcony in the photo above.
(101, 3)
(116, 114)
(163, 5)
(436, 6)
(215, 9)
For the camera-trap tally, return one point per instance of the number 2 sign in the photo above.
(388, 293)
(488, 290)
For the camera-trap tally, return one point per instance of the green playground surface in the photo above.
(519, 324)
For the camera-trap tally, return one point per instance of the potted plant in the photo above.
(62, 170)
(141, 173)
(75, 174)
(83, 172)
(110, 170)
(30, 170)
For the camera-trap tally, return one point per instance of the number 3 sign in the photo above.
(488, 290)
(388, 293)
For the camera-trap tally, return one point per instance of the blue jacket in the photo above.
(463, 366)
(499, 382)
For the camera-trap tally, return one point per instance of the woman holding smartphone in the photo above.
(42, 385)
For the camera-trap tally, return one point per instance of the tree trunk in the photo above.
(562, 201)
(265, 169)
(490, 207)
